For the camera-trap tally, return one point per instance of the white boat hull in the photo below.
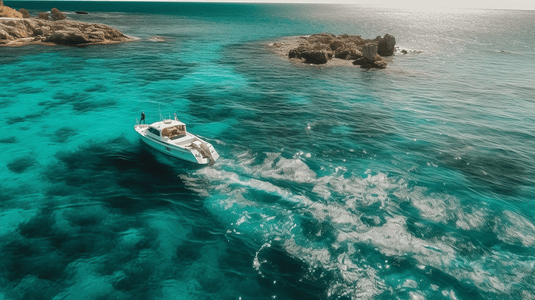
(179, 149)
(176, 153)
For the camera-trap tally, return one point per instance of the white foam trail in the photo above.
(514, 228)
(256, 261)
(343, 200)
(277, 167)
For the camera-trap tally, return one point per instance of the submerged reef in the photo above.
(324, 47)
(18, 31)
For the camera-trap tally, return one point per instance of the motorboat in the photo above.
(171, 137)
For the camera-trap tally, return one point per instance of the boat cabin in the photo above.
(171, 129)
(174, 132)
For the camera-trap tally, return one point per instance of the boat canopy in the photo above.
(174, 132)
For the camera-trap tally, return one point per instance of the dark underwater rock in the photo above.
(20, 165)
(8, 140)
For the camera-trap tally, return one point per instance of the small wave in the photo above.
(133, 37)
(400, 50)
(505, 52)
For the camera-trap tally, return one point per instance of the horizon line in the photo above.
(425, 6)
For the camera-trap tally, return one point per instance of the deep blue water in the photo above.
(413, 182)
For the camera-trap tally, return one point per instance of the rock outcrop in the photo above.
(16, 32)
(320, 48)
(8, 12)
(386, 45)
(24, 12)
(370, 58)
(57, 14)
(43, 16)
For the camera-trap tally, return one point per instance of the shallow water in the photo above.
(415, 181)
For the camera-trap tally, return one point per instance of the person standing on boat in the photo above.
(142, 118)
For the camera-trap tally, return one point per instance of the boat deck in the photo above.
(183, 141)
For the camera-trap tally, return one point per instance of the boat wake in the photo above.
(365, 232)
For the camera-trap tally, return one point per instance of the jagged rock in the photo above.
(15, 32)
(370, 58)
(42, 31)
(312, 53)
(378, 63)
(322, 38)
(348, 53)
(358, 61)
(98, 35)
(62, 37)
(348, 47)
(314, 57)
(57, 14)
(365, 63)
(81, 12)
(369, 51)
(343, 53)
(4, 35)
(62, 32)
(386, 45)
(43, 16)
(356, 54)
(24, 12)
(337, 45)
(294, 53)
(8, 12)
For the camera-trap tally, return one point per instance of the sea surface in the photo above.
(412, 182)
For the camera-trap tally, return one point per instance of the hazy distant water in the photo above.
(334, 183)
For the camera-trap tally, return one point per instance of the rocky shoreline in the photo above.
(17, 28)
(337, 50)
(18, 32)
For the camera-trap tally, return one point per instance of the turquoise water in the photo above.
(413, 182)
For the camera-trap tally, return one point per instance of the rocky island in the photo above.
(17, 29)
(341, 49)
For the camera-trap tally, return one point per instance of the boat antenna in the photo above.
(176, 118)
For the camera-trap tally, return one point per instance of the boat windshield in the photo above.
(174, 132)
